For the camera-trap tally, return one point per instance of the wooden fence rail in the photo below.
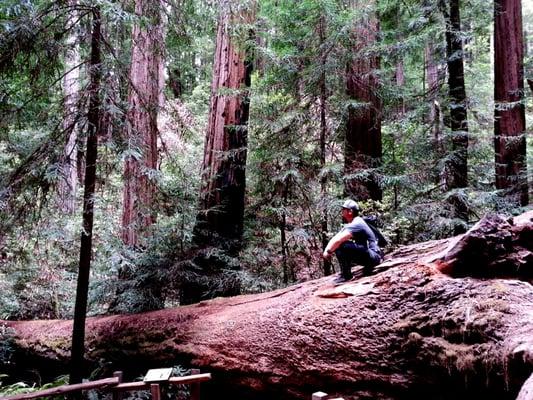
(65, 389)
(118, 388)
(115, 384)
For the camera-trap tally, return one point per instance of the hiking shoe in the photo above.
(339, 280)
(367, 271)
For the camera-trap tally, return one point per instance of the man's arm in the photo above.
(335, 242)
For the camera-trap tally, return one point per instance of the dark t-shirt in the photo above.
(362, 234)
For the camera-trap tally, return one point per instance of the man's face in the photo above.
(347, 215)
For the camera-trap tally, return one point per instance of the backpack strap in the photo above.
(371, 222)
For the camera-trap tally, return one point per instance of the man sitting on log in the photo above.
(356, 243)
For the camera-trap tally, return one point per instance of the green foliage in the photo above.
(189, 42)
(37, 276)
(22, 387)
(6, 350)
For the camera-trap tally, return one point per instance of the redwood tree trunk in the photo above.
(71, 87)
(221, 206)
(144, 98)
(509, 123)
(174, 79)
(326, 263)
(283, 232)
(432, 78)
(362, 149)
(456, 176)
(399, 75)
(431, 74)
(93, 119)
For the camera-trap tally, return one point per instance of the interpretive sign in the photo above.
(158, 375)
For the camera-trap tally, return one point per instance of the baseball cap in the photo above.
(351, 205)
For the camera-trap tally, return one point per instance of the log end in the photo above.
(492, 248)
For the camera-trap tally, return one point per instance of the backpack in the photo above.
(372, 222)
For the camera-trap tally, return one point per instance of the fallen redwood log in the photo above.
(429, 325)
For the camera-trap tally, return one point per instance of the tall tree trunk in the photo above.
(323, 134)
(283, 231)
(362, 149)
(434, 118)
(399, 71)
(221, 206)
(455, 175)
(122, 35)
(174, 79)
(399, 77)
(509, 123)
(457, 161)
(71, 87)
(93, 117)
(468, 34)
(432, 78)
(261, 44)
(81, 143)
(144, 98)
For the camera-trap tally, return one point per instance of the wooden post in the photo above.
(319, 396)
(116, 394)
(155, 389)
(195, 387)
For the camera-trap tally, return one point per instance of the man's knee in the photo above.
(344, 250)
(340, 253)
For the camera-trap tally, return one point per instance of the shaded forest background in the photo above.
(311, 72)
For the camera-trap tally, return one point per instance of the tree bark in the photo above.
(399, 76)
(174, 80)
(261, 44)
(326, 264)
(93, 118)
(410, 332)
(434, 119)
(71, 87)
(283, 232)
(493, 248)
(362, 147)
(432, 77)
(144, 98)
(456, 174)
(509, 114)
(220, 219)
(456, 161)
